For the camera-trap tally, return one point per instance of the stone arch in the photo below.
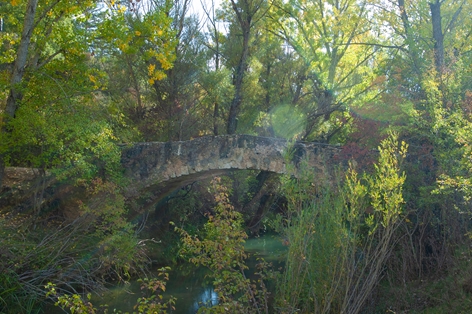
(152, 164)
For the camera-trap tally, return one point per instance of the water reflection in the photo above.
(208, 298)
(192, 286)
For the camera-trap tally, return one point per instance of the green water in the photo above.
(190, 287)
(268, 246)
(189, 284)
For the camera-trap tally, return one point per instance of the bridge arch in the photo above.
(152, 164)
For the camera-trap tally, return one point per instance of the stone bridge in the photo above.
(157, 169)
(155, 165)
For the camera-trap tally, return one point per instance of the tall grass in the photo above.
(319, 246)
(340, 235)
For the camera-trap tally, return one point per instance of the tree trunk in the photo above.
(2, 170)
(244, 17)
(410, 39)
(217, 68)
(438, 36)
(215, 119)
(238, 83)
(20, 62)
(15, 94)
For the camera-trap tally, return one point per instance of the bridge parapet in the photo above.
(148, 164)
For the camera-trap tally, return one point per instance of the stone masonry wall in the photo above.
(148, 164)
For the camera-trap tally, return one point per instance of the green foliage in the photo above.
(382, 217)
(57, 125)
(150, 304)
(340, 239)
(74, 143)
(81, 254)
(222, 252)
(14, 296)
(33, 257)
(386, 186)
(149, 35)
(216, 90)
(72, 302)
(62, 119)
(120, 251)
(66, 126)
(443, 293)
(319, 244)
(156, 287)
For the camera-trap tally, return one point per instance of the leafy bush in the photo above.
(222, 252)
(340, 237)
(150, 304)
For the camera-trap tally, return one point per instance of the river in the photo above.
(189, 284)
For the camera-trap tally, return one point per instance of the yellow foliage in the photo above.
(159, 75)
(165, 63)
(93, 79)
(155, 75)
(151, 69)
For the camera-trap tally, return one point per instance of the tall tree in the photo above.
(215, 38)
(138, 40)
(55, 75)
(423, 35)
(176, 98)
(334, 39)
(15, 94)
(246, 14)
